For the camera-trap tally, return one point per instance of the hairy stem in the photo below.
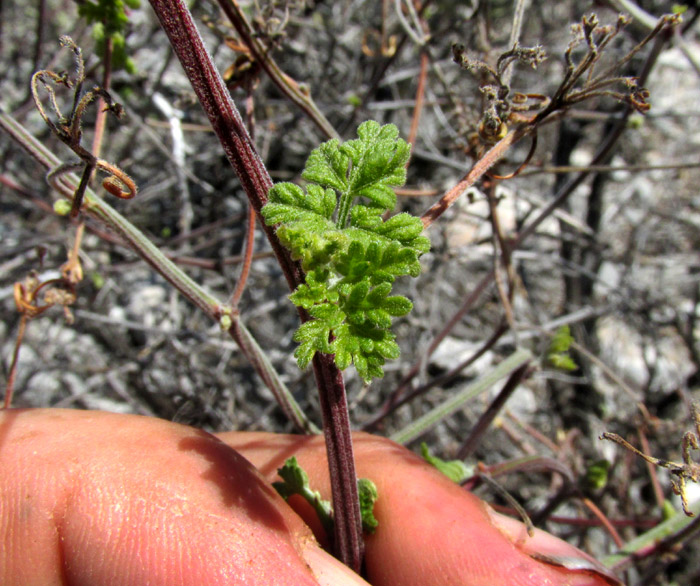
(348, 543)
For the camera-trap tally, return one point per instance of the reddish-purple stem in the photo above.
(227, 123)
(176, 20)
(336, 429)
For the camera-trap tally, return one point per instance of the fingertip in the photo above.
(431, 531)
(97, 498)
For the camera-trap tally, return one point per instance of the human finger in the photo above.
(97, 498)
(431, 531)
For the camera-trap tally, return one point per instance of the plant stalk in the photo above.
(176, 20)
(262, 54)
(347, 540)
(187, 287)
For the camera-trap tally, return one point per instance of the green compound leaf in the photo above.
(314, 291)
(402, 228)
(368, 166)
(351, 255)
(295, 480)
(291, 204)
(368, 496)
(328, 166)
(455, 470)
(314, 337)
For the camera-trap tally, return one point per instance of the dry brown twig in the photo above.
(27, 301)
(510, 116)
(68, 129)
(681, 473)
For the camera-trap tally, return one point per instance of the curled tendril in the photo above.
(55, 292)
(69, 130)
(118, 183)
(26, 295)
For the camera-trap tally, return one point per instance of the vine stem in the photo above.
(262, 54)
(496, 152)
(176, 20)
(348, 543)
(191, 290)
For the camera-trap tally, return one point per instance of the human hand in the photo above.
(431, 531)
(97, 498)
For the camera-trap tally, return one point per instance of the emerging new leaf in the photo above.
(351, 255)
(295, 480)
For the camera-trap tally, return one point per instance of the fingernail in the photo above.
(328, 570)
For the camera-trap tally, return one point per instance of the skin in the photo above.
(97, 498)
(431, 531)
(90, 498)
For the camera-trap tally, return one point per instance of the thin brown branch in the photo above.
(475, 173)
(12, 376)
(247, 260)
(290, 88)
(420, 96)
(604, 521)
